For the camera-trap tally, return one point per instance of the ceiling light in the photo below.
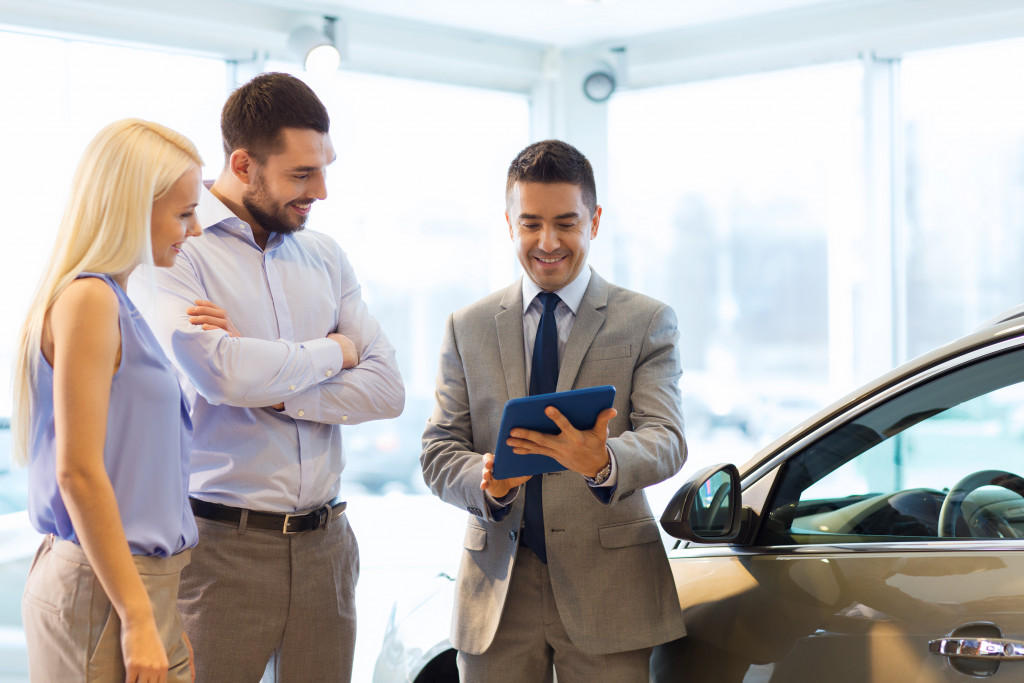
(318, 50)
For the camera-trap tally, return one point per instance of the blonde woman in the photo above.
(100, 421)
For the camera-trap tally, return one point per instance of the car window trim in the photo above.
(693, 550)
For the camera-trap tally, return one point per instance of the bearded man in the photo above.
(272, 585)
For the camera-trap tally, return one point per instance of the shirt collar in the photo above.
(571, 295)
(212, 212)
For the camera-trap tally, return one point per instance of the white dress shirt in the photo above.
(565, 315)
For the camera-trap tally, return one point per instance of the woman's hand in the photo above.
(211, 317)
(145, 660)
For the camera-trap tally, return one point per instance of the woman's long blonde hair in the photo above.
(105, 229)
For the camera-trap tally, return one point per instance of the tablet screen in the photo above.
(580, 406)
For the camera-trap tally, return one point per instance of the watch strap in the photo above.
(602, 476)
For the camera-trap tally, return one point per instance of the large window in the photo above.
(963, 122)
(736, 201)
(742, 203)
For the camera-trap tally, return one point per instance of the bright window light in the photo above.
(726, 199)
(964, 135)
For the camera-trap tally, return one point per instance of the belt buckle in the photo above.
(323, 518)
(287, 518)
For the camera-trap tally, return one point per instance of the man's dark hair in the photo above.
(255, 114)
(553, 161)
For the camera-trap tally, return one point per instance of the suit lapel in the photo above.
(509, 324)
(589, 320)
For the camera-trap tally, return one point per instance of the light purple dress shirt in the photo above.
(283, 300)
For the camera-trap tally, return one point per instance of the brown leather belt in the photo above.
(286, 523)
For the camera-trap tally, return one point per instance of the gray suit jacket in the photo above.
(607, 564)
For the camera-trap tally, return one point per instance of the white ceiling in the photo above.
(566, 23)
(505, 44)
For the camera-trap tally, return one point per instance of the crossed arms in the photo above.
(350, 375)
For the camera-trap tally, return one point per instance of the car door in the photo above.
(886, 543)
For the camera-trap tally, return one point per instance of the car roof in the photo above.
(1002, 328)
(1005, 316)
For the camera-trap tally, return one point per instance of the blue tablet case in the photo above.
(580, 406)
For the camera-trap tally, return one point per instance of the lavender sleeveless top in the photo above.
(146, 453)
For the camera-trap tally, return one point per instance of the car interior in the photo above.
(935, 461)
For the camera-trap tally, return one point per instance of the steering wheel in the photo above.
(952, 504)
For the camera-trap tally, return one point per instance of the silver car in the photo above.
(881, 540)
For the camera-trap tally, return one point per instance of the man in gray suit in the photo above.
(564, 571)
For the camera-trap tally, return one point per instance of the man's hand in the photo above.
(211, 317)
(580, 451)
(349, 352)
(498, 488)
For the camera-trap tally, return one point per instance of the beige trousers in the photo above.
(73, 633)
(262, 604)
(531, 644)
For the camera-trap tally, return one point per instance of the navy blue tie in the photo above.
(543, 380)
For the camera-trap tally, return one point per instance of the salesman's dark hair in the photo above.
(553, 161)
(256, 113)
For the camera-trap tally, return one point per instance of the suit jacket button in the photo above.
(512, 535)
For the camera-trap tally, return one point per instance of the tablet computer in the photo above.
(580, 406)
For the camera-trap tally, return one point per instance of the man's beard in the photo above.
(265, 212)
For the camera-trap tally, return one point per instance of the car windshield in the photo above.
(887, 474)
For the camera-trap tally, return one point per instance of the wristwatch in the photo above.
(602, 476)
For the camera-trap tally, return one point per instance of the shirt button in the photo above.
(330, 372)
(512, 535)
(301, 413)
(291, 387)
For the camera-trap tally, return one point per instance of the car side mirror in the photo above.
(707, 508)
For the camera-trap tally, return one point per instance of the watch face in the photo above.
(598, 86)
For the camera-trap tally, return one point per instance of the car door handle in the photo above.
(978, 648)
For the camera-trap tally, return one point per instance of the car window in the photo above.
(888, 474)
